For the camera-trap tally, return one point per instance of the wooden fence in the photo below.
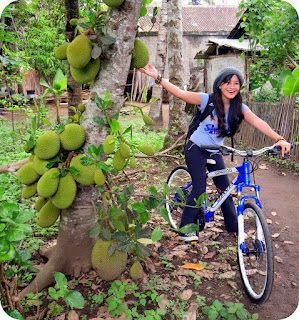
(283, 117)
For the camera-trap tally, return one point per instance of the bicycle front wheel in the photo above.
(179, 182)
(255, 255)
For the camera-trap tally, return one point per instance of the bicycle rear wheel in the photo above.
(255, 256)
(179, 178)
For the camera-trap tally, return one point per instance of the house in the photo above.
(200, 24)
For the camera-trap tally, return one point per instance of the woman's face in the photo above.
(230, 89)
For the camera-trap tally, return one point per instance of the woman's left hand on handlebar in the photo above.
(285, 147)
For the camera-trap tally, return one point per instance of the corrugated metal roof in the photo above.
(228, 43)
(199, 19)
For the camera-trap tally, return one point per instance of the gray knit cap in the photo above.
(224, 73)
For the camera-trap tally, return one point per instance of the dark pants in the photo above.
(196, 160)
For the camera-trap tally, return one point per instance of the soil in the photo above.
(220, 279)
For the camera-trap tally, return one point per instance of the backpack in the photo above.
(199, 116)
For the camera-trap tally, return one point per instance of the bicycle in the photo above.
(254, 242)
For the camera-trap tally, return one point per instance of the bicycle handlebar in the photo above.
(273, 150)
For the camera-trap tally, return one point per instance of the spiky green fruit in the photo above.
(26, 174)
(140, 56)
(124, 150)
(47, 145)
(136, 271)
(146, 149)
(60, 52)
(40, 166)
(48, 183)
(79, 52)
(132, 162)
(118, 161)
(81, 107)
(47, 215)
(99, 177)
(29, 191)
(86, 173)
(73, 22)
(109, 144)
(86, 74)
(40, 203)
(113, 3)
(147, 119)
(72, 137)
(66, 192)
(108, 267)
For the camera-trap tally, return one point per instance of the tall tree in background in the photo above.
(177, 116)
(74, 89)
(156, 107)
(72, 254)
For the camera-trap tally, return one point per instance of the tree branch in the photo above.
(13, 167)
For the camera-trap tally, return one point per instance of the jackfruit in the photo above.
(124, 150)
(47, 185)
(108, 267)
(140, 56)
(86, 173)
(136, 271)
(26, 174)
(47, 145)
(40, 165)
(109, 144)
(29, 191)
(40, 203)
(60, 52)
(147, 119)
(66, 192)
(146, 149)
(47, 215)
(81, 107)
(72, 137)
(113, 3)
(99, 177)
(79, 52)
(86, 74)
(73, 22)
(132, 162)
(118, 161)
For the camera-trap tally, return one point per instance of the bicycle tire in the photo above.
(257, 265)
(178, 178)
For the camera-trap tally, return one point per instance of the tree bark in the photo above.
(74, 89)
(72, 255)
(177, 116)
(156, 107)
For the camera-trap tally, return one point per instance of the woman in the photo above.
(227, 116)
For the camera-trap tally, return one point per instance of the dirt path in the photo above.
(280, 195)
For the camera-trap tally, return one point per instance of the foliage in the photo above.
(72, 298)
(265, 95)
(228, 310)
(274, 26)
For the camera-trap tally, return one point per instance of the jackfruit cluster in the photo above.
(140, 56)
(83, 67)
(55, 186)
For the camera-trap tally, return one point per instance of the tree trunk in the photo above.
(72, 255)
(156, 107)
(74, 89)
(177, 116)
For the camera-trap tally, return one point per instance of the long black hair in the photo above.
(235, 115)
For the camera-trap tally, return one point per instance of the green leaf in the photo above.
(107, 40)
(157, 234)
(145, 241)
(9, 254)
(189, 228)
(85, 161)
(105, 235)
(115, 212)
(124, 246)
(164, 214)
(1, 193)
(44, 83)
(74, 299)
(60, 279)
(143, 217)
(118, 225)
(14, 314)
(120, 236)
(111, 249)
(143, 11)
(139, 207)
(94, 231)
(99, 120)
(46, 121)
(73, 170)
(114, 126)
(18, 232)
